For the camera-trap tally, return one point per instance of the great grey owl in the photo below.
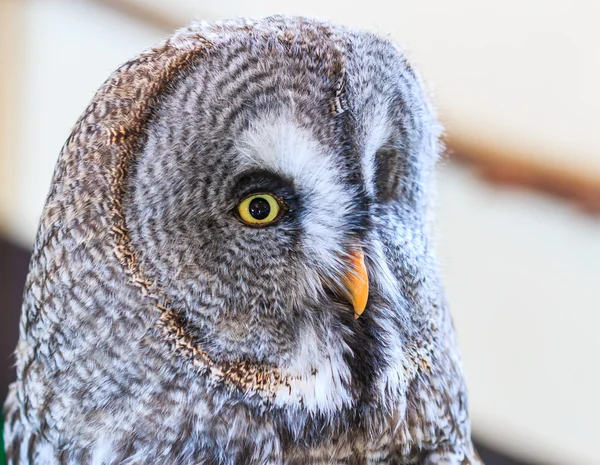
(234, 263)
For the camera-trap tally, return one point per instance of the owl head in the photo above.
(243, 212)
(278, 198)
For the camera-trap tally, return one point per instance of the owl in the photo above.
(234, 263)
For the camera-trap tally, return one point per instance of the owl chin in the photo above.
(317, 364)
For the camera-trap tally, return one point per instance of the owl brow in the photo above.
(261, 180)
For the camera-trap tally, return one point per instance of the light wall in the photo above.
(11, 19)
(522, 273)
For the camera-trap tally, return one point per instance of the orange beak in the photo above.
(356, 282)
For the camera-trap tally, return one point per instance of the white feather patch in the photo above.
(377, 131)
(280, 144)
(320, 376)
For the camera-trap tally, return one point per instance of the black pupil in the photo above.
(259, 208)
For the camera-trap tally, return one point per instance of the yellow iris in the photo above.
(259, 209)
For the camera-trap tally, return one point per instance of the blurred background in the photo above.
(516, 84)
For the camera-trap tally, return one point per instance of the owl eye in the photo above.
(261, 209)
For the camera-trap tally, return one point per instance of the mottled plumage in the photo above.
(159, 328)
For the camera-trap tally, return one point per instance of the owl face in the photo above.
(277, 194)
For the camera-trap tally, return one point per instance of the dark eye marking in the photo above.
(387, 173)
(255, 181)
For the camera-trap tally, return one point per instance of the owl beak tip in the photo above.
(357, 282)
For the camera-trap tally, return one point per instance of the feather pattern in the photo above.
(157, 328)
